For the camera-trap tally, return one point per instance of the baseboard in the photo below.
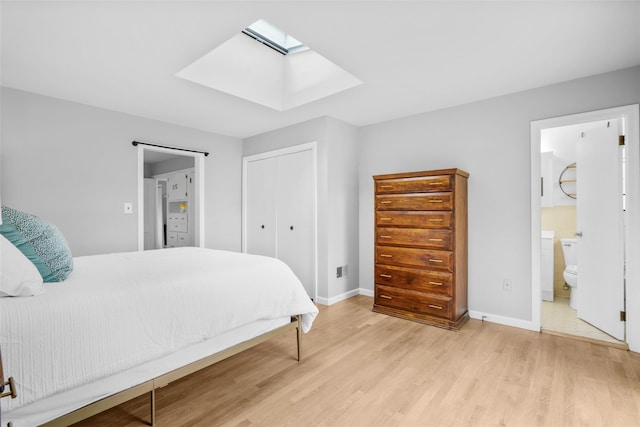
(344, 296)
(487, 317)
(503, 320)
(366, 292)
(338, 298)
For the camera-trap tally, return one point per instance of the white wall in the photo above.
(175, 164)
(343, 210)
(490, 140)
(562, 141)
(74, 165)
(337, 196)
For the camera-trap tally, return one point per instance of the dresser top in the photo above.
(453, 171)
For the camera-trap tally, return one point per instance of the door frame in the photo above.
(199, 202)
(631, 116)
(281, 152)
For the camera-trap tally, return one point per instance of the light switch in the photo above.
(128, 207)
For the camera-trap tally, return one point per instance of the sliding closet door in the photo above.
(295, 215)
(261, 207)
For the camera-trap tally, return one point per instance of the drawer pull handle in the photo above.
(384, 236)
(386, 186)
(386, 276)
(435, 240)
(436, 260)
(385, 297)
(436, 183)
(436, 200)
(385, 202)
(436, 283)
(386, 256)
(435, 220)
(385, 219)
(435, 306)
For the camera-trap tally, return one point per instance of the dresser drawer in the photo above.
(180, 226)
(183, 240)
(172, 239)
(414, 279)
(415, 302)
(177, 222)
(417, 237)
(435, 219)
(414, 185)
(425, 258)
(414, 202)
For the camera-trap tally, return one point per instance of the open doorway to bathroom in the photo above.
(582, 188)
(581, 225)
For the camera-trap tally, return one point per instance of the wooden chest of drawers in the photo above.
(421, 246)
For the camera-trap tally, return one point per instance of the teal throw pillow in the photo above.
(41, 242)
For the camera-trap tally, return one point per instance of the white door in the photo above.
(149, 213)
(159, 217)
(191, 223)
(261, 207)
(600, 229)
(296, 222)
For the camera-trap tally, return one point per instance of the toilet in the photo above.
(570, 273)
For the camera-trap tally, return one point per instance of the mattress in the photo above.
(117, 312)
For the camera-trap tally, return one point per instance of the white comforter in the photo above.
(118, 311)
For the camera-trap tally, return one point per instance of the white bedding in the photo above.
(118, 311)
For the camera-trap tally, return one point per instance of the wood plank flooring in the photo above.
(361, 368)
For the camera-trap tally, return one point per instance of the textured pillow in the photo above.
(41, 242)
(18, 276)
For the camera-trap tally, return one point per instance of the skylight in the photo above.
(244, 68)
(274, 37)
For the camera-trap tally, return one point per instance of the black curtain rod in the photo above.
(135, 143)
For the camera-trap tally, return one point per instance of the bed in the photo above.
(124, 324)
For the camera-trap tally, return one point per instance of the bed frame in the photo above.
(152, 385)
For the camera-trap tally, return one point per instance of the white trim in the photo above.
(631, 116)
(140, 198)
(166, 175)
(330, 301)
(198, 161)
(366, 292)
(503, 320)
(312, 146)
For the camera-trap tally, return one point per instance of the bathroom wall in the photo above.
(562, 220)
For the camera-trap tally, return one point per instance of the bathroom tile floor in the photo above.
(557, 316)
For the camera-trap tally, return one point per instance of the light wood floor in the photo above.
(361, 368)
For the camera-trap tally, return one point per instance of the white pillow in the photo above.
(19, 277)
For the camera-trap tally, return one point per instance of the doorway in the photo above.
(159, 208)
(582, 262)
(543, 206)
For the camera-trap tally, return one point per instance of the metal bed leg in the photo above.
(299, 333)
(152, 398)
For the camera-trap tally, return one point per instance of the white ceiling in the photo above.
(413, 56)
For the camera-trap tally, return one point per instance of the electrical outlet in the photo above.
(507, 285)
